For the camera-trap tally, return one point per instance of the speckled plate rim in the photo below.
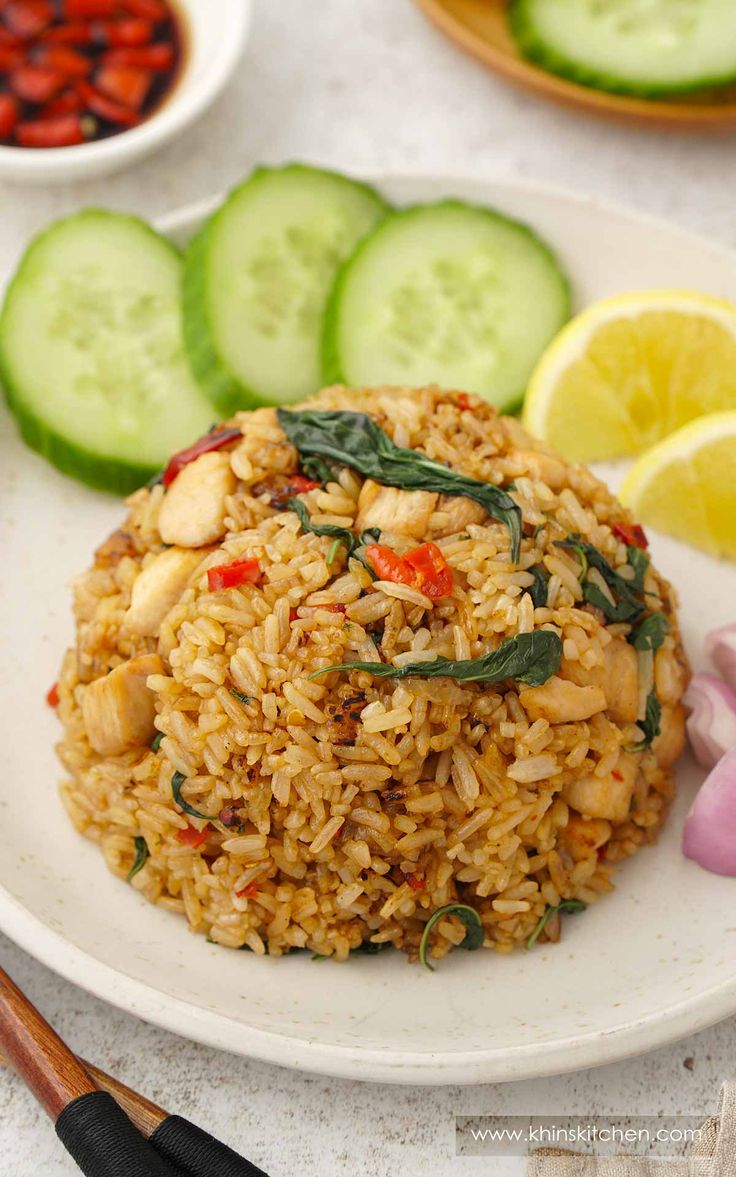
(570, 1052)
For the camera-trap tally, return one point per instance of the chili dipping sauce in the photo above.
(72, 71)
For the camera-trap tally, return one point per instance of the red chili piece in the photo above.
(68, 102)
(463, 402)
(127, 86)
(10, 58)
(435, 577)
(337, 608)
(248, 892)
(192, 837)
(74, 33)
(632, 534)
(157, 57)
(9, 40)
(299, 485)
(150, 9)
(106, 108)
(52, 695)
(8, 115)
(424, 568)
(123, 32)
(65, 131)
(89, 9)
(35, 83)
(415, 882)
(28, 18)
(226, 576)
(63, 59)
(206, 445)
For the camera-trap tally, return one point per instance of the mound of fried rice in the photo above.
(349, 808)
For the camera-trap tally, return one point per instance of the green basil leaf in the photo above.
(244, 699)
(651, 725)
(538, 591)
(318, 470)
(355, 440)
(571, 905)
(627, 607)
(651, 632)
(468, 915)
(530, 658)
(639, 561)
(141, 854)
(177, 781)
(156, 741)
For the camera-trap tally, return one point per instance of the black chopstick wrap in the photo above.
(197, 1154)
(104, 1143)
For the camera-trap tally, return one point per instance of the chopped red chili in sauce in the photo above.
(248, 892)
(76, 70)
(424, 568)
(415, 882)
(632, 534)
(226, 576)
(52, 695)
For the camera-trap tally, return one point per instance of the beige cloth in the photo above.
(714, 1155)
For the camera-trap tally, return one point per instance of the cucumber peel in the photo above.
(448, 293)
(91, 355)
(654, 50)
(257, 278)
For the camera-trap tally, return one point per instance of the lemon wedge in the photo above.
(686, 485)
(630, 370)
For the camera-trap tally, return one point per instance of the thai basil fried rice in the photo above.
(279, 810)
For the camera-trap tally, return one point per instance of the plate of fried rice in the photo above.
(325, 776)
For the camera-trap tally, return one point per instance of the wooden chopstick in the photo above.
(144, 1113)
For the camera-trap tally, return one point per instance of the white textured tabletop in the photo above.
(365, 85)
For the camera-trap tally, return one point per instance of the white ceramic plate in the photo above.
(653, 962)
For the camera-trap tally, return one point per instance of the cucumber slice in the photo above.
(257, 278)
(640, 47)
(91, 354)
(449, 294)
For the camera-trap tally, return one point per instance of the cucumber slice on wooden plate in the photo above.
(91, 353)
(640, 47)
(257, 279)
(449, 294)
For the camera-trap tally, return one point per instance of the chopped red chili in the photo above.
(463, 402)
(124, 84)
(36, 83)
(52, 695)
(28, 18)
(192, 837)
(432, 569)
(632, 534)
(416, 882)
(248, 892)
(64, 131)
(8, 114)
(66, 61)
(206, 445)
(617, 776)
(50, 47)
(226, 576)
(424, 568)
(337, 608)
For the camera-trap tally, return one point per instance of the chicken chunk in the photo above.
(618, 678)
(405, 512)
(455, 513)
(583, 837)
(158, 587)
(118, 710)
(193, 511)
(670, 743)
(560, 701)
(607, 797)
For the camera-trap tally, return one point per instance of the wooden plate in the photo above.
(480, 28)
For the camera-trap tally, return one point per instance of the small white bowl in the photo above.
(216, 32)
